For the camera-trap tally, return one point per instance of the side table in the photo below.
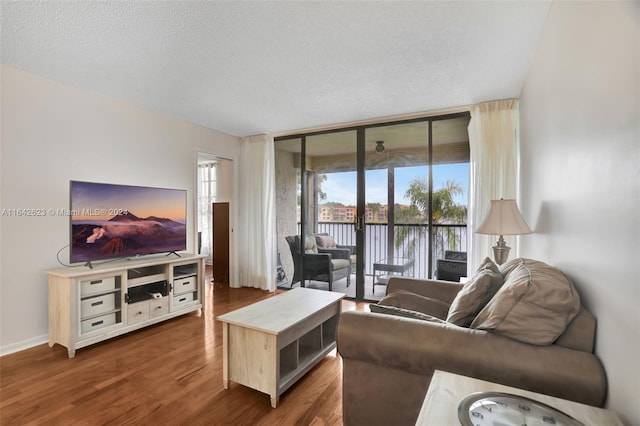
(392, 265)
(446, 390)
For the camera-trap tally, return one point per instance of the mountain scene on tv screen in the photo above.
(126, 235)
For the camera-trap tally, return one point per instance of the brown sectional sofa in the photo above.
(388, 360)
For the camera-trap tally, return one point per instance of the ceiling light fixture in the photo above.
(379, 147)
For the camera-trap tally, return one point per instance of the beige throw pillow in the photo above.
(509, 266)
(325, 241)
(535, 304)
(475, 294)
(309, 244)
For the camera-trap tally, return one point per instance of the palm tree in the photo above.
(374, 208)
(444, 210)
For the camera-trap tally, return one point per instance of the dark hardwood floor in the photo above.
(169, 374)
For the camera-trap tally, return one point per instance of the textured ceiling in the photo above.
(268, 67)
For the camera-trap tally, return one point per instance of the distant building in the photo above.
(332, 212)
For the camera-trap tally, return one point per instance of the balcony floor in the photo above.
(340, 286)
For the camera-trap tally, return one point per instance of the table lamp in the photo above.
(504, 218)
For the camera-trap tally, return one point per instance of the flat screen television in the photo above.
(110, 221)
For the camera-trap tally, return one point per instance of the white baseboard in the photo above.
(25, 344)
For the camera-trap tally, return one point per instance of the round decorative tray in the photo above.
(502, 409)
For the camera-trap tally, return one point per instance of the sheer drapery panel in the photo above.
(206, 196)
(256, 230)
(494, 168)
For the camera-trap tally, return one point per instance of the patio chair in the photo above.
(326, 241)
(328, 265)
(453, 266)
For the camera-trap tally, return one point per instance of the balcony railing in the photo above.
(411, 240)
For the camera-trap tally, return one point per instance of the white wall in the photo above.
(580, 174)
(286, 205)
(52, 133)
(224, 180)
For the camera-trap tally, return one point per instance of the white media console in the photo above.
(87, 306)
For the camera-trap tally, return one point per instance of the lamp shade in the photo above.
(504, 218)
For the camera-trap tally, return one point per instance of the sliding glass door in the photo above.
(323, 170)
(331, 176)
(396, 156)
(393, 194)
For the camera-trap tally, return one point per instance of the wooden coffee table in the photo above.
(271, 344)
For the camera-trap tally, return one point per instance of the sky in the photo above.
(100, 201)
(341, 187)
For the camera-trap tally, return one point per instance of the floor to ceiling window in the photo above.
(395, 194)
(206, 196)
(214, 184)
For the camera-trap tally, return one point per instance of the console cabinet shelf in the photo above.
(87, 306)
(306, 351)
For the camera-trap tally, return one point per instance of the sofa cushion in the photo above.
(339, 263)
(580, 334)
(535, 304)
(401, 312)
(475, 294)
(404, 299)
(325, 241)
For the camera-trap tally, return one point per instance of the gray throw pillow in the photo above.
(487, 263)
(475, 294)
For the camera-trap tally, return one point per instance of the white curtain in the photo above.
(256, 228)
(494, 169)
(206, 196)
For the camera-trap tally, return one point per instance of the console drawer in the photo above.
(97, 305)
(158, 307)
(97, 323)
(184, 285)
(137, 312)
(97, 286)
(183, 299)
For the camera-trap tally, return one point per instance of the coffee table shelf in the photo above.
(270, 345)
